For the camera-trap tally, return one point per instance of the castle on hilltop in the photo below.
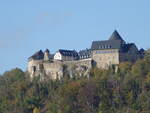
(102, 54)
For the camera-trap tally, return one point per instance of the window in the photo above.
(102, 52)
(34, 68)
(41, 66)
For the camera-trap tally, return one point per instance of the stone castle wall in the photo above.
(83, 62)
(34, 66)
(105, 58)
(55, 69)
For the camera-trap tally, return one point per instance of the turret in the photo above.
(46, 55)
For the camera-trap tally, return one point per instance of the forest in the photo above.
(105, 91)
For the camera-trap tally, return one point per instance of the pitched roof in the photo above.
(115, 36)
(85, 52)
(51, 56)
(108, 44)
(114, 42)
(68, 52)
(47, 51)
(38, 55)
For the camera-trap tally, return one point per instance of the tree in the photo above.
(36, 110)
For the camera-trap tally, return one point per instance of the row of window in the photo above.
(102, 52)
(70, 54)
(85, 56)
(104, 47)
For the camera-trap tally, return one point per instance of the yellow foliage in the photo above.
(36, 110)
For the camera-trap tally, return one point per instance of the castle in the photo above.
(102, 54)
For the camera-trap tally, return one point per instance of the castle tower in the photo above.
(46, 55)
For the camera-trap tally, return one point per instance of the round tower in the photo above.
(46, 55)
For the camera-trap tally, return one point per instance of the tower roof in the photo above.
(115, 36)
(115, 42)
(47, 51)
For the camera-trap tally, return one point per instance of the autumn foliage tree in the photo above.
(105, 91)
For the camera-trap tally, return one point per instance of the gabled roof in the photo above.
(72, 53)
(38, 55)
(51, 56)
(115, 36)
(114, 42)
(85, 52)
(108, 44)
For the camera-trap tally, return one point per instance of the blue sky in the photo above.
(27, 26)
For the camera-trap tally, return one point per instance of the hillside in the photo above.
(127, 91)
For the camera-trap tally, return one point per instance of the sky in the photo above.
(27, 26)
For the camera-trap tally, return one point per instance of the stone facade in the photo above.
(105, 58)
(113, 51)
(102, 54)
(57, 69)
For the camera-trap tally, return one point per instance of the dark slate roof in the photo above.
(51, 56)
(72, 53)
(115, 36)
(85, 52)
(114, 42)
(126, 47)
(37, 56)
(108, 44)
(141, 50)
(47, 50)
